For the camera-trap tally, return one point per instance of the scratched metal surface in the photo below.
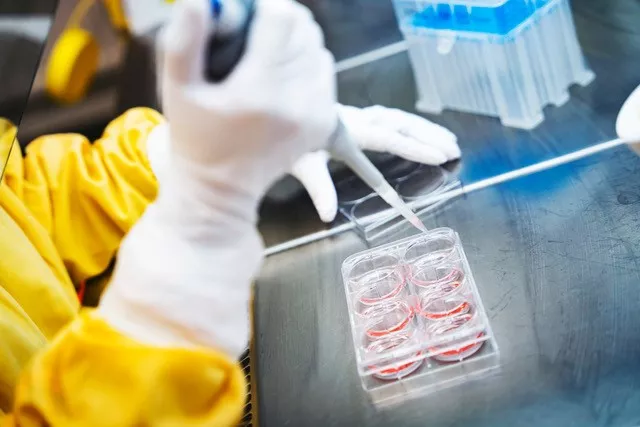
(366, 24)
(556, 258)
(557, 268)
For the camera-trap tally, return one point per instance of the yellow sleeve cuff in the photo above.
(92, 375)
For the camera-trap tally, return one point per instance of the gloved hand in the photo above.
(374, 128)
(377, 129)
(628, 122)
(184, 271)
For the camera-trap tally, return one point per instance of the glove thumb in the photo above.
(312, 171)
(183, 41)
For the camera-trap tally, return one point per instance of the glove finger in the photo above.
(351, 114)
(382, 139)
(184, 39)
(628, 122)
(417, 128)
(312, 171)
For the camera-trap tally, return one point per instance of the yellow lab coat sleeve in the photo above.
(37, 298)
(93, 376)
(88, 196)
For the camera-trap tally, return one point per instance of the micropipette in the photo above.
(225, 49)
(227, 43)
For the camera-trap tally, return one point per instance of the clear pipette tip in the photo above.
(343, 148)
(389, 195)
(418, 224)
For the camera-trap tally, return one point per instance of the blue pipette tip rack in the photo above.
(490, 17)
(501, 58)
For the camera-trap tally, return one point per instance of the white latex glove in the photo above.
(628, 122)
(377, 129)
(184, 271)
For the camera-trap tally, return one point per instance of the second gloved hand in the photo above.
(377, 129)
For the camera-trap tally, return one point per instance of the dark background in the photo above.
(19, 55)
